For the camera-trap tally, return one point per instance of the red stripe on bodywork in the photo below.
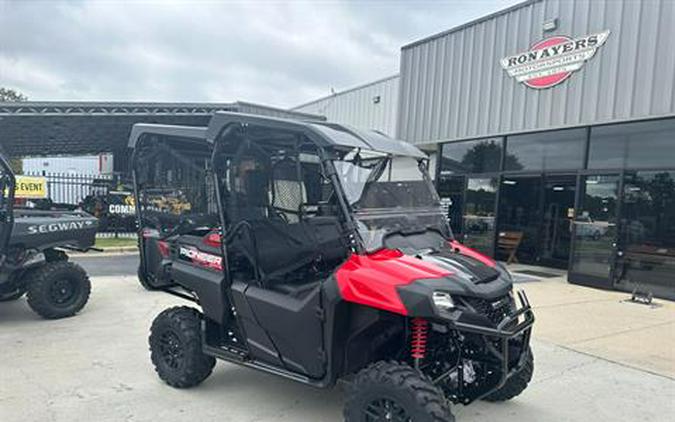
(372, 279)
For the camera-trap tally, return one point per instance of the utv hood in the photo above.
(392, 281)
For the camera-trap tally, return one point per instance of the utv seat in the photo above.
(279, 248)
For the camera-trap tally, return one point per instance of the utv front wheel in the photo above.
(176, 348)
(58, 289)
(517, 383)
(391, 391)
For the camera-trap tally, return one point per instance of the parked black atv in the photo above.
(321, 253)
(33, 260)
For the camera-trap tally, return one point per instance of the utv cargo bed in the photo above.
(33, 229)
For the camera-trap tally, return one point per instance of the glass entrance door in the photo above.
(648, 233)
(558, 215)
(594, 231)
(520, 214)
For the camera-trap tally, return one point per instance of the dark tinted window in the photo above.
(561, 149)
(479, 156)
(479, 214)
(633, 145)
(451, 191)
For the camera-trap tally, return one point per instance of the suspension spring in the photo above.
(418, 349)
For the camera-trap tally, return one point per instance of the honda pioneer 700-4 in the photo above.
(33, 259)
(321, 253)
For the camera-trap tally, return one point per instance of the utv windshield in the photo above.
(392, 198)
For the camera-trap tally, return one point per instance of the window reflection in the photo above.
(561, 149)
(480, 156)
(479, 214)
(648, 229)
(633, 145)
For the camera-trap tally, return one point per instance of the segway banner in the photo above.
(553, 60)
(30, 187)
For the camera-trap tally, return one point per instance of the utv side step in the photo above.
(236, 358)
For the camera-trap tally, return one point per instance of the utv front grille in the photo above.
(495, 310)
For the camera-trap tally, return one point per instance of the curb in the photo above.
(124, 250)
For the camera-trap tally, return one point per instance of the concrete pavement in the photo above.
(96, 366)
(604, 324)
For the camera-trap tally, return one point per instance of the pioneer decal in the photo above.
(552, 60)
(59, 227)
(200, 258)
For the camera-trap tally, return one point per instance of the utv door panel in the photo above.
(259, 343)
(205, 283)
(293, 325)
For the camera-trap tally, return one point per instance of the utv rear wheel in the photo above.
(58, 289)
(176, 348)
(392, 391)
(517, 383)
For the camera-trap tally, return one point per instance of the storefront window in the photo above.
(451, 191)
(648, 232)
(557, 150)
(479, 214)
(633, 145)
(481, 156)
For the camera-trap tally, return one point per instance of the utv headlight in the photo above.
(443, 301)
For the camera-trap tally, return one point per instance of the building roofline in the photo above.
(470, 23)
(346, 91)
(133, 108)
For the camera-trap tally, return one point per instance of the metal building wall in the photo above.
(357, 107)
(453, 86)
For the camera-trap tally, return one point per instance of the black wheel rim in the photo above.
(171, 349)
(385, 410)
(63, 292)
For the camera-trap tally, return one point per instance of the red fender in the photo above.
(372, 279)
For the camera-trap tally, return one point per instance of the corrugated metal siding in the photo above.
(453, 87)
(356, 107)
(250, 108)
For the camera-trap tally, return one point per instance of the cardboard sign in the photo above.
(30, 187)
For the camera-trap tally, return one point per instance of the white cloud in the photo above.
(272, 52)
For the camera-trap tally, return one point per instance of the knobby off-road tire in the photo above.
(517, 383)
(394, 391)
(176, 348)
(58, 289)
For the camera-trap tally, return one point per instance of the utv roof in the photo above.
(325, 134)
(140, 129)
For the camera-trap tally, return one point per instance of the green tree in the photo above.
(11, 95)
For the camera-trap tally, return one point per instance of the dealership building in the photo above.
(552, 122)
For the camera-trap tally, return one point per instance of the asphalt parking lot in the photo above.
(96, 367)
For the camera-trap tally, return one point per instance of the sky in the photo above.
(279, 53)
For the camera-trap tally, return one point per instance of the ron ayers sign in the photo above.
(552, 60)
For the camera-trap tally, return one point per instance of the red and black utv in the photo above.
(320, 253)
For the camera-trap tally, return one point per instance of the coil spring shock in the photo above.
(418, 349)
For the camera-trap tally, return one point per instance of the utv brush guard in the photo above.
(504, 331)
(320, 253)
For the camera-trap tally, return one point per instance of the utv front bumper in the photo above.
(510, 338)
